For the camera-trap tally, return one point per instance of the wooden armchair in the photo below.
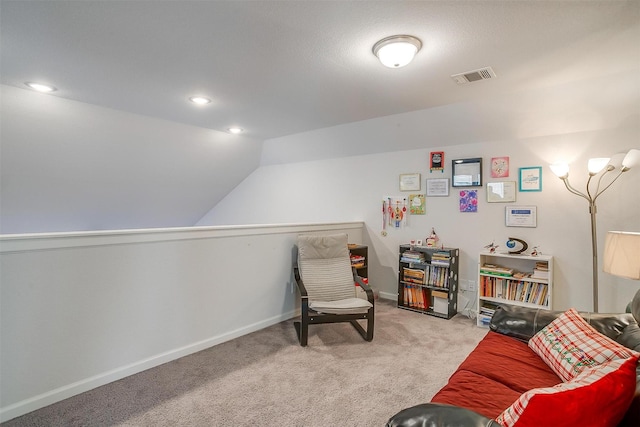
(326, 279)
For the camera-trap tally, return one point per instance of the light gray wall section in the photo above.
(69, 166)
(562, 123)
(81, 310)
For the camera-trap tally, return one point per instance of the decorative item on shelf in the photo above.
(432, 240)
(516, 246)
(492, 247)
(598, 166)
(622, 258)
(535, 251)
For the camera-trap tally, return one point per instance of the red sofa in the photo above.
(502, 367)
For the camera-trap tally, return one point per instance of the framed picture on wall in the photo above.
(410, 182)
(501, 192)
(438, 187)
(530, 178)
(467, 172)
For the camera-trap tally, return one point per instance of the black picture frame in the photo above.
(466, 172)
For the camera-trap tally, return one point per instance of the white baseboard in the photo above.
(40, 401)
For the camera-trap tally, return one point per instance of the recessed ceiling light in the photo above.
(200, 100)
(235, 130)
(41, 87)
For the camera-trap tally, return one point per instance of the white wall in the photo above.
(78, 310)
(352, 188)
(70, 166)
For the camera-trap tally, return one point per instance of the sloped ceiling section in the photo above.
(70, 166)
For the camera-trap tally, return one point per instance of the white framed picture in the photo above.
(501, 192)
(438, 187)
(410, 182)
(521, 216)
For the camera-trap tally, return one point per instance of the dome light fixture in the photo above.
(200, 100)
(397, 51)
(41, 87)
(235, 130)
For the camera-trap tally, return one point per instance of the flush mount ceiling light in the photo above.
(396, 51)
(41, 87)
(235, 130)
(200, 100)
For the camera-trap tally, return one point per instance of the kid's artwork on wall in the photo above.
(436, 161)
(468, 201)
(417, 204)
(395, 211)
(499, 167)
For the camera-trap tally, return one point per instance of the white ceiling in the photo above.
(278, 68)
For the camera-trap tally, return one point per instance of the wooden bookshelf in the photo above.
(428, 280)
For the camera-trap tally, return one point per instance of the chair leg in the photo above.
(368, 334)
(302, 330)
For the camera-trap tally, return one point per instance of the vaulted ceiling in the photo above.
(278, 68)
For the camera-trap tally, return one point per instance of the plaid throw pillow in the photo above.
(599, 396)
(569, 345)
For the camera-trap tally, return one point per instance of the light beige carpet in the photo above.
(267, 379)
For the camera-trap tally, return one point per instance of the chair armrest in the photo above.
(439, 415)
(303, 290)
(365, 286)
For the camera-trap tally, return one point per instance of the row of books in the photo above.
(441, 258)
(514, 290)
(431, 275)
(541, 270)
(412, 256)
(487, 309)
(357, 261)
(420, 298)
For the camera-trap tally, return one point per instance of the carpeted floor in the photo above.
(267, 379)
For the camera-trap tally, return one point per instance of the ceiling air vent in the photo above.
(474, 76)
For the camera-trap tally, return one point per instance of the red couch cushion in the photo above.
(494, 376)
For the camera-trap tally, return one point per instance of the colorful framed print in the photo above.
(530, 178)
(416, 204)
(436, 161)
(499, 167)
(468, 201)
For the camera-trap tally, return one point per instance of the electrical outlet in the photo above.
(471, 286)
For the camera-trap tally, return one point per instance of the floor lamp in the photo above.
(622, 258)
(598, 167)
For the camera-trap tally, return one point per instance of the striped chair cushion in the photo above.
(325, 267)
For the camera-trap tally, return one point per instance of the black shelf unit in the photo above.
(428, 280)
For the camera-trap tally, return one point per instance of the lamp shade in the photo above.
(622, 254)
(597, 164)
(560, 169)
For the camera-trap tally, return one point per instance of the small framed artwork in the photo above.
(467, 172)
(499, 167)
(438, 187)
(436, 161)
(410, 182)
(416, 204)
(530, 178)
(521, 216)
(468, 200)
(501, 192)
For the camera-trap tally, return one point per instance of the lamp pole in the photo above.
(591, 198)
